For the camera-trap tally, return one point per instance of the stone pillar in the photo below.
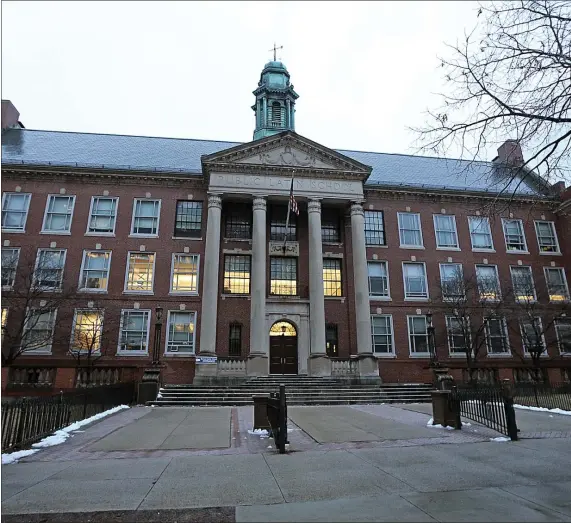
(319, 364)
(293, 116)
(258, 359)
(288, 114)
(264, 112)
(367, 363)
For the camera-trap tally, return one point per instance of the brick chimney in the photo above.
(509, 153)
(10, 115)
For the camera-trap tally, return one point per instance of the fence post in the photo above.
(282, 420)
(507, 394)
(22, 422)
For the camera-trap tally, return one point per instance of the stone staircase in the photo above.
(300, 390)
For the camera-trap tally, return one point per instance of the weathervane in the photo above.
(275, 49)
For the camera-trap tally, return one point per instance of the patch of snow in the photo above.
(466, 424)
(159, 396)
(501, 438)
(262, 433)
(59, 436)
(270, 447)
(438, 426)
(543, 409)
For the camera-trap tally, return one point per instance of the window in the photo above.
(278, 216)
(140, 272)
(332, 277)
(382, 332)
(418, 335)
(87, 331)
(375, 228)
(547, 237)
(515, 239)
(452, 281)
(102, 215)
(496, 335)
(237, 274)
(238, 224)
(95, 270)
(563, 331)
(134, 337)
(331, 340)
(188, 221)
(522, 282)
(10, 259)
(184, 273)
(330, 226)
(146, 217)
(38, 331)
(180, 332)
(283, 276)
(415, 285)
(235, 341)
(488, 283)
(480, 233)
(532, 335)
(556, 284)
(59, 212)
(458, 334)
(49, 269)
(445, 230)
(379, 279)
(409, 229)
(15, 211)
(4, 320)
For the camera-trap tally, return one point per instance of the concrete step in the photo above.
(237, 402)
(297, 393)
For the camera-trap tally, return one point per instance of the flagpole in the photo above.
(288, 213)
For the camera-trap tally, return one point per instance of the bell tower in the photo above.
(275, 101)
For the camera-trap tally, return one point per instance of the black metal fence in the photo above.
(546, 395)
(487, 405)
(277, 417)
(28, 420)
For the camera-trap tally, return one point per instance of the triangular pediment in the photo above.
(287, 151)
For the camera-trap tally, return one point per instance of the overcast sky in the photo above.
(364, 71)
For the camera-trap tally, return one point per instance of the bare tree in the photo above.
(34, 297)
(509, 78)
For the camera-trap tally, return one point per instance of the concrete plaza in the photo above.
(346, 463)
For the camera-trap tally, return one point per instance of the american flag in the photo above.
(292, 203)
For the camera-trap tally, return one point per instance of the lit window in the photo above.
(415, 285)
(238, 221)
(515, 239)
(49, 269)
(15, 211)
(185, 273)
(382, 332)
(330, 226)
(418, 335)
(283, 276)
(10, 259)
(237, 274)
(547, 237)
(140, 271)
(522, 282)
(375, 228)
(146, 217)
(532, 335)
(87, 331)
(331, 340)
(480, 233)
(458, 333)
(188, 223)
(235, 340)
(38, 331)
(4, 320)
(95, 270)
(332, 277)
(278, 217)
(409, 229)
(378, 279)
(103, 215)
(59, 212)
(556, 284)
(180, 332)
(134, 337)
(452, 281)
(488, 283)
(496, 335)
(563, 331)
(445, 229)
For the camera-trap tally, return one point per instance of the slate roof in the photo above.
(57, 148)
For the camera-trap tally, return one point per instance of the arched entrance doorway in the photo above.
(283, 348)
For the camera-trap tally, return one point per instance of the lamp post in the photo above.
(157, 338)
(431, 347)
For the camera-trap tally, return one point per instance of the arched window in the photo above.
(276, 113)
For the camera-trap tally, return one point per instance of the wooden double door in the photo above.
(283, 354)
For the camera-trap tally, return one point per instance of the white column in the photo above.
(258, 333)
(210, 278)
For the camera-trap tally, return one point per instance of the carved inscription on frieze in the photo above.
(277, 249)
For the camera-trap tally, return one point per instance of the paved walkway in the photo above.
(358, 463)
